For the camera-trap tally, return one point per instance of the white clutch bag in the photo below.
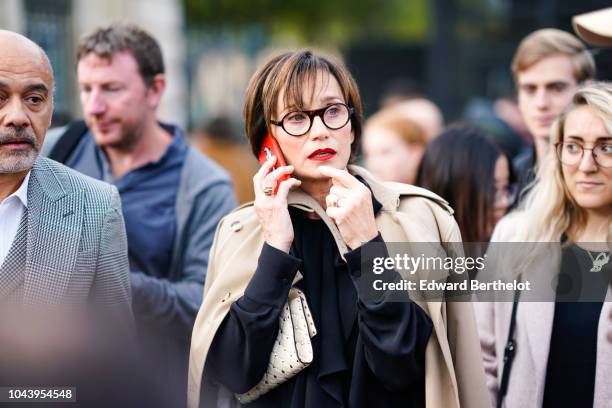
(292, 351)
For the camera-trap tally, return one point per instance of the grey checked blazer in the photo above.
(66, 314)
(76, 241)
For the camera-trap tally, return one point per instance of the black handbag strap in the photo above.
(508, 352)
(68, 141)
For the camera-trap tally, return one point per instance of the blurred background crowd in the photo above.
(436, 61)
(459, 97)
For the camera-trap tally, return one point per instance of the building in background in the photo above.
(57, 25)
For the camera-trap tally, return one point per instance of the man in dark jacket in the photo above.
(548, 67)
(172, 196)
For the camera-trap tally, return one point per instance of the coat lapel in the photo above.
(54, 231)
(537, 316)
(398, 229)
(395, 232)
(11, 270)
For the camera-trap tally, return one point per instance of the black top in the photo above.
(524, 167)
(366, 352)
(570, 375)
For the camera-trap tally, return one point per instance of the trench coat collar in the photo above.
(388, 198)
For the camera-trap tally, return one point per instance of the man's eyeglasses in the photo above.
(570, 153)
(298, 123)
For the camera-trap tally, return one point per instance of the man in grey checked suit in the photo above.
(62, 235)
(69, 244)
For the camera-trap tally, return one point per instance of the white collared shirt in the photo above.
(11, 210)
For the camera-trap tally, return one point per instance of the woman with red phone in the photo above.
(269, 150)
(312, 216)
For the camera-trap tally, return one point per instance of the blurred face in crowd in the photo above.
(320, 145)
(425, 113)
(116, 101)
(544, 90)
(589, 183)
(502, 189)
(389, 157)
(26, 102)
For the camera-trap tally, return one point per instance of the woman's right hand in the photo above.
(272, 209)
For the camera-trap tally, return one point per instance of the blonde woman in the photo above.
(561, 354)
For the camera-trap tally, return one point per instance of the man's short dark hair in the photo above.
(105, 42)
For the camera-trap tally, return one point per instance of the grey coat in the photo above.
(65, 291)
(76, 241)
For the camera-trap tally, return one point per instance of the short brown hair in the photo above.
(408, 131)
(548, 42)
(107, 41)
(291, 72)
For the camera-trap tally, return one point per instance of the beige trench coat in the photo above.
(454, 373)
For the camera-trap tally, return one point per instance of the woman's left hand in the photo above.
(349, 204)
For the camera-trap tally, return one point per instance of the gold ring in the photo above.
(268, 191)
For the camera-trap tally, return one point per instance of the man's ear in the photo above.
(156, 90)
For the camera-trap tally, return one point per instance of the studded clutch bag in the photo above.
(292, 350)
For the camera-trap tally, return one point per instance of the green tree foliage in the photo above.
(335, 22)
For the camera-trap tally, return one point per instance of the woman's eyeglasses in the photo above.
(298, 123)
(570, 153)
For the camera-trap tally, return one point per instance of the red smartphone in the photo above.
(269, 148)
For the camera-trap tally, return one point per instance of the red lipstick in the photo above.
(322, 154)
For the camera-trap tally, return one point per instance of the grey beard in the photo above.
(18, 161)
